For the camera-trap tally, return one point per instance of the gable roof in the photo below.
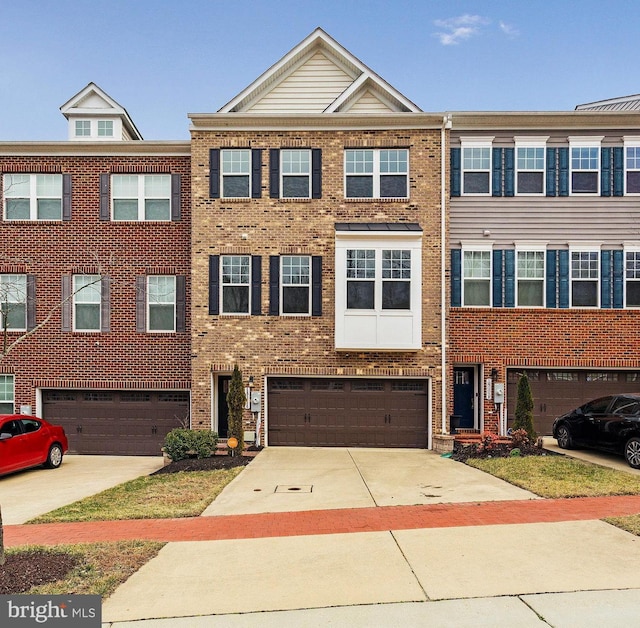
(94, 102)
(319, 76)
(623, 103)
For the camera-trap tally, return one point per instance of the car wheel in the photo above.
(54, 459)
(563, 436)
(632, 452)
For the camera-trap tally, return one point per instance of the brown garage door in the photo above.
(347, 412)
(116, 422)
(558, 391)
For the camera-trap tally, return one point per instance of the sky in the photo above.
(162, 60)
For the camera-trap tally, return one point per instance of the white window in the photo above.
(295, 284)
(236, 283)
(530, 270)
(585, 276)
(632, 165)
(236, 173)
(530, 165)
(105, 128)
(161, 303)
(632, 278)
(141, 197)
(87, 299)
(7, 401)
(13, 302)
(295, 173)
(379, 173)
(33, 196)
(476, 278)
(83, 128)
(584, 165)
(476, 166)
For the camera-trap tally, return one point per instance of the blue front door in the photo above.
(463, 395)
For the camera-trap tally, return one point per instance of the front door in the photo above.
(223, 408)
(463, 395)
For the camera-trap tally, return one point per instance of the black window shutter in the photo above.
(274, 172)
(176, 191)
(105, 304)
(66, 197)
(316, 285)
(551, 171)
(274, 285)
(105, 213)
(496, 187)
(141, 304)
(214, 284)
(316, 173)
(31, 302)
(256, 173)
(256, 285)
(455, 171)
(456, 278)
(214, 173)
(181, 303)
(66, 302)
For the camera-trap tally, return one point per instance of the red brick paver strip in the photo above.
(338, 521)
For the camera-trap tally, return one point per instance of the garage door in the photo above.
(558, 391)
(347, 412)
(116, 422)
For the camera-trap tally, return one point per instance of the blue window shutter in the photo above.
(605, 171)
(551, 299)
(274, 285)
(509, 182)
(456, 278)
(496, 178)
(497, 279)
(256, 285)
(618, 171)
(274, 172)
(551, 172)
(214, 284)
(563, 163)
(455, 171)
(605, 279)
(316, 285)
(618, 279)
(316, 173)
(256, 173)
(214, 173)
(510, 278)
(563, 279)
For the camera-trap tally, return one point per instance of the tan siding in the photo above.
(369, 104)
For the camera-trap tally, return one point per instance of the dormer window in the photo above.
(83, 128)
(105, 128)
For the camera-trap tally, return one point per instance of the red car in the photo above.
(27, 441)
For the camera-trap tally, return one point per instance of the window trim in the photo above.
(376, 174)
(12, 400)
(630, 142)
(531, 248)
(290, 174)
(224, 174)
(97, 281)
(141, 196)
(222, 284)
(86, 126)
(585, 142)
(628, 248)
(25, 302)
(149, 304)
(585, 248)
(476, 142)
(476, 247)
(33, 196)
(282, 287)
(531, 142)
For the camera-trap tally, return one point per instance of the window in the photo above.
(585, 165)
(33, 196)
(87, 298)
(632, 278)
(236, 173)
(476, 167)
(295, 284)
(632, 169)
(530, 167)
(161, 297)
(476, 278)
(585, 273)
(361, 272)
(236, 281)
(380, 173)
(105, 128)
(13, 302)
(295, 170)
(530, 278)
(6, 394)
(141, 197)
(83, 128)
(396, 280)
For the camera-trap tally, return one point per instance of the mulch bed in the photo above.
(462, 453)
(205, 464)
(23, 571)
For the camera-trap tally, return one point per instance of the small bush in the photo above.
(520, 438)
(182, 443)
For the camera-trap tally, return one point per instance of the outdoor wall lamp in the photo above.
(494, 373)
(250, 383)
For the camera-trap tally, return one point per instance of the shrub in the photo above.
(524, 408)
(236, 400)
(487, 443)
(182, 443)
(520, 439)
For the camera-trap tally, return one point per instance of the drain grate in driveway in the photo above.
(294, 488)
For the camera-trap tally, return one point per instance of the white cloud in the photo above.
(457, 29)
(508, 29)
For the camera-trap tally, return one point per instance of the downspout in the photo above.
(446, 125)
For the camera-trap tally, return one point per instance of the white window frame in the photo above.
(33, 181)
(284, 286)
(631, 143)
(84, 126)
(473, 247)
(157, 302)
(535, 143)
(476, 143)
(233, 171)
(584, 248)
(7, 392)
(376, 172)
(232, 283)
(105, 128)
(292, 166)
(82, 295)
(13, 289)
(589, 143)
(141, 196)
(531, 248)
(635, 250)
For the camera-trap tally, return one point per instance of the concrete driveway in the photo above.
(30, 493)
